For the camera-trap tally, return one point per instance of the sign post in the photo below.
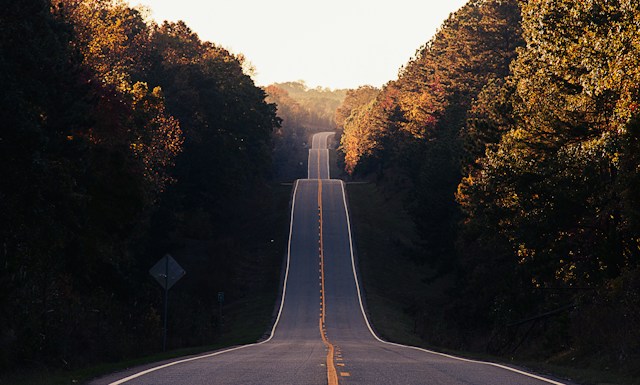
(167, 272)
(220, 303)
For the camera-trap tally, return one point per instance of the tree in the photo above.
(89, 143)
(550, 190)
(354, 99)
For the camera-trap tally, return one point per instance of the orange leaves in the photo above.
(159, 140)
(115, 43)
(422, 109)
(354, 99)
(112, 37)
(362, 135)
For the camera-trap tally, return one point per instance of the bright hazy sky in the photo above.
(328, 43)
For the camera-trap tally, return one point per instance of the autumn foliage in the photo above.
(515, 132)
(120, 138)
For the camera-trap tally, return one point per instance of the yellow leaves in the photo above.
(137, 147)
(139, 91)
(567, 272)
(360, 135)
(160, 140)
(589, 53)
(524, 254)
(111, 37)
(353, 100)
(421, 111)
(462, 192)
(114, 41)
(157, 92)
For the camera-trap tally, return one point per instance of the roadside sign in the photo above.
(167, 272)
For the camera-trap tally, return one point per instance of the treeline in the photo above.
(313, 107)
(121, 139)
(303, 111)
(514, 137)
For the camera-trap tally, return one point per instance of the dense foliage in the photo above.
(514, 135)
(120, 140)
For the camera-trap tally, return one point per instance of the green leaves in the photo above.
(527, 113)
(568, 111)
(554, 185)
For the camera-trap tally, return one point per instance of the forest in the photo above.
(512, 138)
(123, 140)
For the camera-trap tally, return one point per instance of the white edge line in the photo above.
(328, 172)
(355, 276)
(325, 136)
(326, 146)
(326, 139)
(273, 330)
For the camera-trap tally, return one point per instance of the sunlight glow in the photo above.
(330, 43)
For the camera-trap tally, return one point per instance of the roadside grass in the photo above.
(384, 239)
(246, 320)
(580, 375)
(335, 172)
(393, 283)
(249, 318)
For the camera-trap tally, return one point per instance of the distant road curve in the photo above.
(321, 334)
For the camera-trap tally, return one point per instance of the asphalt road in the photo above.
(321, 335)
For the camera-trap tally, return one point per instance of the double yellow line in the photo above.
(332, 374)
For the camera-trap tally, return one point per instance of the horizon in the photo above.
(366, 43)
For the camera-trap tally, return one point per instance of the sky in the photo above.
(327, 43)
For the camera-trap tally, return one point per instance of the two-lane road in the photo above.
(318, 164)
(321, 335)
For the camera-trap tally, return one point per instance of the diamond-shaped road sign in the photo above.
(167, 272)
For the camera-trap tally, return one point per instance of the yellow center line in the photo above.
(319, 176)
(332, 374)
